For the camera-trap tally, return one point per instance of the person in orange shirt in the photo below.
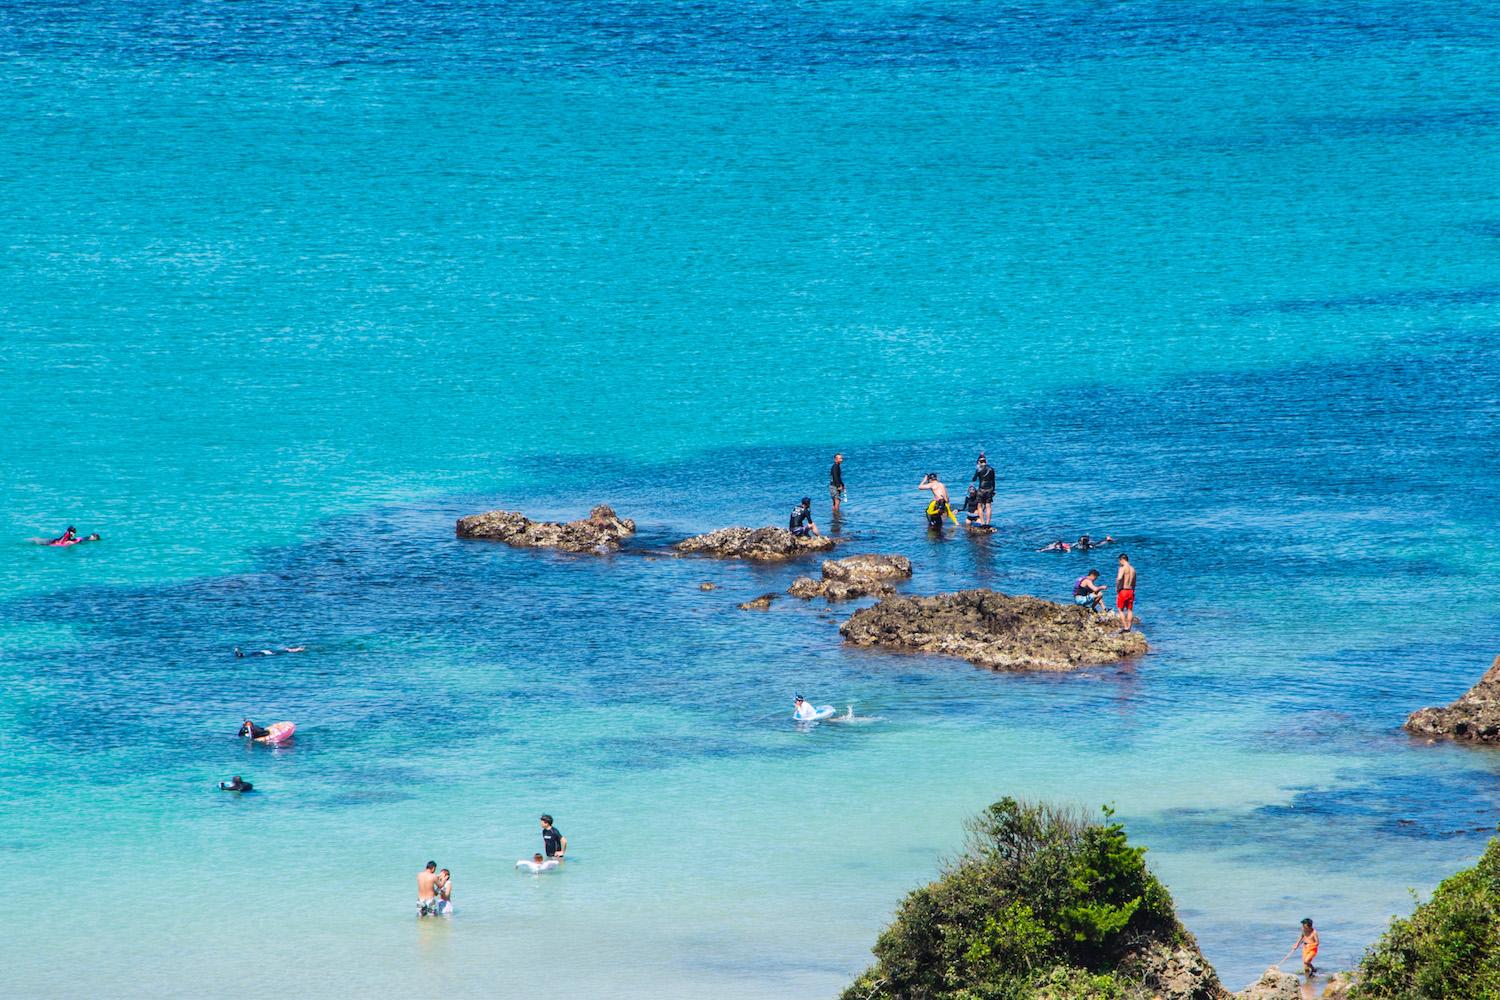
(1309, 943)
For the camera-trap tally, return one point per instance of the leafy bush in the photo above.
(1448, 949)
(1041, 906)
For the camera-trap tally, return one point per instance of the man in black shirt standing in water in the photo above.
(553, 842)
(836, 484)
(984, 475)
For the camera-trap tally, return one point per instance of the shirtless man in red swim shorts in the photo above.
(1125, 592)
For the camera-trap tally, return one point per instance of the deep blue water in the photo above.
(288, 288)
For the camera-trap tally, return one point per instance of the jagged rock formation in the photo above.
(601, 531)
(761, 603)
(1177, 970)
(1273, 985)
(758, 545)
(1474, 717)
(994, 630)
(854, 576)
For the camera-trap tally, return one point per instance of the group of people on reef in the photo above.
(1089, 592)
(435, 886)
(978, 502)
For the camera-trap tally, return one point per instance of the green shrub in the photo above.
(1039, 907)
(1448, 949)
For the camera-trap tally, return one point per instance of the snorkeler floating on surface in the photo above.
(69, 537)
(270, 652)
(1084, 543)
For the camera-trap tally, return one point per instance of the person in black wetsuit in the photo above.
(836, 484)
(984, 477)
(1085, 543)
(553, 842)
(237, 785)
(971, 507)
(253, 731)
(801, 523)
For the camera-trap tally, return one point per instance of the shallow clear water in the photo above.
(288, 288)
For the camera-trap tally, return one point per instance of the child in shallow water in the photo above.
(1309, 944)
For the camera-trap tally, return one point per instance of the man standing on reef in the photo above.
(984, 476)
(553, 842)
(836, 484)
(1125, 592)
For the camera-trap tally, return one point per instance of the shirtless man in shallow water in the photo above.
(427, 898)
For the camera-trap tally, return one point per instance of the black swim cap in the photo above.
(807, 499)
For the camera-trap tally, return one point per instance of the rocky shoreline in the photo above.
(994, 630)
(1474, 718)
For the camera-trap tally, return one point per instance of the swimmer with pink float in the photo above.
(69, 537)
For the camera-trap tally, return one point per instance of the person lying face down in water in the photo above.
(237, 785)
(270, 652)
(1084, 543)
(537, 864)
(1057, 546)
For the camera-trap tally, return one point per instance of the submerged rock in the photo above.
(1272, 985)
(760, 544)
(761, 603)
(854, 576)
(1474, 717)
(601, 531)
(1338, 987)
(994, 630)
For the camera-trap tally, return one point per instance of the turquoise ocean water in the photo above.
(285, 288)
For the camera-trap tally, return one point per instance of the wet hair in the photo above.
(1307, 921)
(71, 528)
(536, 857)
(806, 501)
(1092, 572)
(447, 872)
(431, 865)
(1125, 557)
(546, 819)
(238, 779)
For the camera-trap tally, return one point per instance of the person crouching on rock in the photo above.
(1088, 592)
(801, 523)
(939, 505)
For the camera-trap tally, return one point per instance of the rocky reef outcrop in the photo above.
(601, 531)
(1474, 717)
(1272, 985)
(854, 576)
(757, 544)
(994, 630)
(1174, 969)
(761, 603)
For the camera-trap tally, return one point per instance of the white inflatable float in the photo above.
(807, 713)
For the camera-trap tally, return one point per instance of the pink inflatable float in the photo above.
(278, 732)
